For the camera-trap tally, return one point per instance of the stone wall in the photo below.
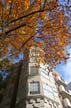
(41, 103)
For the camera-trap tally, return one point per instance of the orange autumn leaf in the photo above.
(25, 23)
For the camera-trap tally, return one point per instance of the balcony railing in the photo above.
(64, 93)
(67, 103)
(60, 81)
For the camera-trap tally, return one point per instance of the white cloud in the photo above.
(68, 68)
(65, 70)
(67, 73)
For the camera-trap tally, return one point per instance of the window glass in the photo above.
(47, 87)
(33, 70)
(34, 87)
(33, 50)
(44, 73)
(35, 54)
(32, 59)
(49, 91)
(48, 94)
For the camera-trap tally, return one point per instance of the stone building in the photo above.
(40, 86)
(46, 89)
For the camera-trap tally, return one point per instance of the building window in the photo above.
(33, 51)
(34, 87)
(33, 70)
(33, 59)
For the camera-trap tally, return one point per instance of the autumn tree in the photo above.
(43, 23)
(31, 21)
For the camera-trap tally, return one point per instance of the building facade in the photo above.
(39, 85)
(46, 88)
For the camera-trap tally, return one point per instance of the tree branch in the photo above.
(15, 28)
(11, 3)
(31, 13)
(24, 43)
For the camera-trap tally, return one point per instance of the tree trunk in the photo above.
(13, 100)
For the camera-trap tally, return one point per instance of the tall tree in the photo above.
(44, 23)
(41, 21)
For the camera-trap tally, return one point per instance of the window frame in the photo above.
(34, 71)
(33, 86)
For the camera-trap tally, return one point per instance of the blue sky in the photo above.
(62, 68)
(65, 68)
(15, 59)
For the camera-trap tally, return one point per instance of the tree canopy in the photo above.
(44, 23)
(23, 23)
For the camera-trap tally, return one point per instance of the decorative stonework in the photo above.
(40, 103)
